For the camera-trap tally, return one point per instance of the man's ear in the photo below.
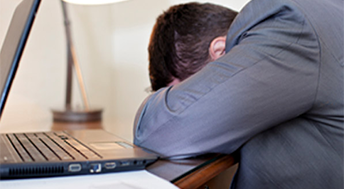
(217, 47)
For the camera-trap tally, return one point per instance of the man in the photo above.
(184, 40)
(276, 96)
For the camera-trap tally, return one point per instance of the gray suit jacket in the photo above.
(276, 97)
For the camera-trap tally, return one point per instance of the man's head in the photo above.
(184, 39)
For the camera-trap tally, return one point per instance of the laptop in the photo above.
(55, 153)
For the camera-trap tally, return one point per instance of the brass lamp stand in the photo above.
(70, 113)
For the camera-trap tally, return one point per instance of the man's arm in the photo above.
(268, 76)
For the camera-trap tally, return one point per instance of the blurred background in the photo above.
(111, 46)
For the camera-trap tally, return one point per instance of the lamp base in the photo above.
(77, 115)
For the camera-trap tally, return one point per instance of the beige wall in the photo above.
(111, 43)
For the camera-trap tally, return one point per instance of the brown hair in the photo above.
(180, 40)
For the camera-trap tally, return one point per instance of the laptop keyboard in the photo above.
(50, 146)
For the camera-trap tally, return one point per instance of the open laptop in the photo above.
(25, 155)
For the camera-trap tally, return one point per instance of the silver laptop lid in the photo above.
(13, 46)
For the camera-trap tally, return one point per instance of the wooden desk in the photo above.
(58, 126)
(192, 173)
(186, 174)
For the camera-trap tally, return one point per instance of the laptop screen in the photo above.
(14, 44)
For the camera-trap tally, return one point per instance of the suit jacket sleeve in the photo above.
(268, 76)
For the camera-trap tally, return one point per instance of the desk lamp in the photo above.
(69, 113)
